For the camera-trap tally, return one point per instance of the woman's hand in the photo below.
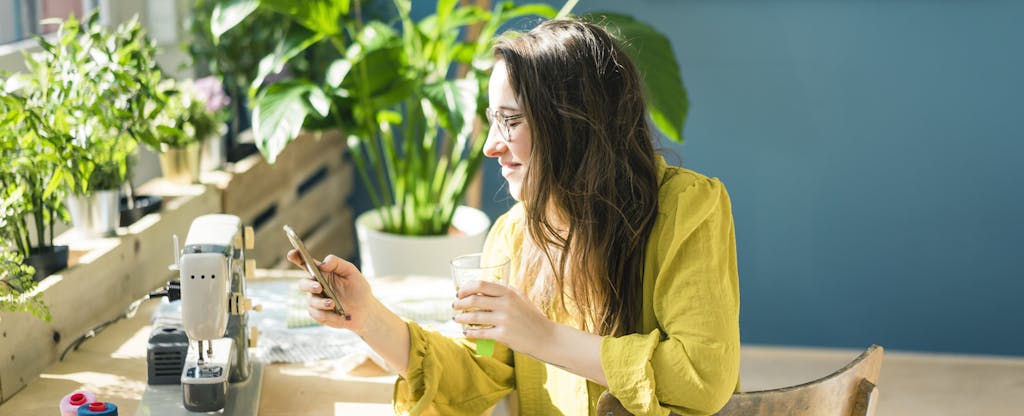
(350, 286)
(516, 321)
(382, 330)
(520, 325)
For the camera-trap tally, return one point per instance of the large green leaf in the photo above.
(321, 16)
(228, 14)
(297, 40)
(278, 114)
(667, 102)
(455, 103)
(377, 66)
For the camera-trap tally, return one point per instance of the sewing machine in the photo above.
(217, 373)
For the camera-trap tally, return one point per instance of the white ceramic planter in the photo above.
(386, 254)
(95, 215)
(212, 156)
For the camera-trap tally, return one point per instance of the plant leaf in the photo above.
(228, 14)
(321, 16)
(667, 102)
(566, 9)
(297, 39)
(319, 101)
(278, 114)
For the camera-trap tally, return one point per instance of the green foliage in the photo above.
(31, 171)
(17, 285)
(71, 124)
(195, 111)
(97, 91)
(233, 56)
(409, 123)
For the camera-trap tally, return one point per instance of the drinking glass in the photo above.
(478, 266)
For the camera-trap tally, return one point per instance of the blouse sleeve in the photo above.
(689, 363)
(445, 376)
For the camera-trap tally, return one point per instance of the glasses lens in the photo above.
(493, 116)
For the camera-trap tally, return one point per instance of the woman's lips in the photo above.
(509, 168)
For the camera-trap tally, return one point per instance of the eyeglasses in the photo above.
(504, 127)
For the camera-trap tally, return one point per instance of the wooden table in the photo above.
(113, 366)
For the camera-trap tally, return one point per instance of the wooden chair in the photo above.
(849, 391)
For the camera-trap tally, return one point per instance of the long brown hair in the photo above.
(591, 190)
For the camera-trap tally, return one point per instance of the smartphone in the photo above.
(314, 271)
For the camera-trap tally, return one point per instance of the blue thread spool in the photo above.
(98, 409)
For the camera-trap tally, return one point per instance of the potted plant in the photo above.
(31, 175)
(194, 115)
(410, 125)
(97, 90)
(17, 277)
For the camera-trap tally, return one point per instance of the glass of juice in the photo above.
(478, 266)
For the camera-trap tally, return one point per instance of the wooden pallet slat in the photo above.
(318, 204)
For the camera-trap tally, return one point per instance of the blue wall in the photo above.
(873, 151)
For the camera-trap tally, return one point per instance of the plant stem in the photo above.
(37, 214)
(49, 225)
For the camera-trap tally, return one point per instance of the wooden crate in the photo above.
(107, 275)
(305, 188)
(333, 237)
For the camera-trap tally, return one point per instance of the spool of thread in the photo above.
(69, 404)
(98, 409)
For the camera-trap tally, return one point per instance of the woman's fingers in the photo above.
(294, 257)
(310, 286)
(495, 332)
(320, 303)
(481, 287)
(338, 266)
(324, 317)
(479, 301)
(480, 317)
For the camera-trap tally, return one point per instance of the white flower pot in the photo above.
(212, 156)
(385, 254)
(95, 215)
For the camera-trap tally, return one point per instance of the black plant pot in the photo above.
(144, 204)
(47, 260)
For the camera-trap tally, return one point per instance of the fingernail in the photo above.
(316, 286)
(327, 303)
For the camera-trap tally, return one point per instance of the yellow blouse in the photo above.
(684, 360)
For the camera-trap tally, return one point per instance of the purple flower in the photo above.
(209, 90)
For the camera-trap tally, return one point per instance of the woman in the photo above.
(623, 269)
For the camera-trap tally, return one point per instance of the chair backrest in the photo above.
(850, 390)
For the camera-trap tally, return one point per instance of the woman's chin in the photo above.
(515, 189)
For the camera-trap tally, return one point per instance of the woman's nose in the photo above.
(494, 146)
